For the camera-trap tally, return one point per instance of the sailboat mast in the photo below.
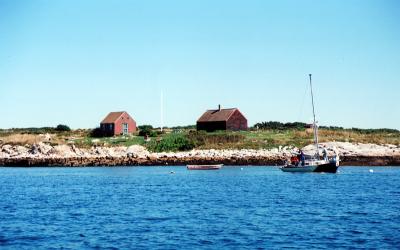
(161, 111)
(315, 124)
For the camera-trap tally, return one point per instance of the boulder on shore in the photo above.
(42, 154)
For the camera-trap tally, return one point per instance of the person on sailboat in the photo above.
(294, 160)
(302, 157)
(325, 153)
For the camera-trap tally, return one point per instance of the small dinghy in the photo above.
(204, 167)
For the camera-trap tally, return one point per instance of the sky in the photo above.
(71, 62)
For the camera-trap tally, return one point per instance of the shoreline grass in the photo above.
(186, 139)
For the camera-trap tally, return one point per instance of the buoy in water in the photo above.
(371, 170)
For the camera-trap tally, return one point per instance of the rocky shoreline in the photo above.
(42, 154)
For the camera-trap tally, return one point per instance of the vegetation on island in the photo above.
(264, 135)
(62, 128)
(148, 130)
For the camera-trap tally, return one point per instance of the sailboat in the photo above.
(313, 163)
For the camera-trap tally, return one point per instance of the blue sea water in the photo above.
(232, 208)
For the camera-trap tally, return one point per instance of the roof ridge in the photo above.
(221, 109)
(217, 115)
(110, 119)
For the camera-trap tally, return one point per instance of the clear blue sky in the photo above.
(72, 62)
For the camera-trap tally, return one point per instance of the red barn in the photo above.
(118, 123)
(222, 119)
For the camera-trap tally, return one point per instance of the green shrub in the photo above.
(180, 128)
(147, 130)
(279, 125)
(200, 138)
(96, 133)
(62, 128)
(144, 127)
(41, 130)
(171, 143)
(374, 131)
(334, 128)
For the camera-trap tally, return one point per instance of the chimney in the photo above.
(219, 107)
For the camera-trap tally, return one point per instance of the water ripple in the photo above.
(146, 208)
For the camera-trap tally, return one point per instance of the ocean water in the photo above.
(233, 208)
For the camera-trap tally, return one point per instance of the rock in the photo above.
(8, 149)
(95, 141)
(40, 148)
(137, 150)
(69, 155)
(99, 151)
(64, 151)
(34, 149)
(120, 151)
(47, 137)
(21, 151)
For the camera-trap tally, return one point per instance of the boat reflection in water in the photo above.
(204, 167)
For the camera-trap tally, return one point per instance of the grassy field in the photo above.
(186, 139)
(266, 139)
(80, 139)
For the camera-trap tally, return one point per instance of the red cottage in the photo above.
(118, 123)
(222, 119)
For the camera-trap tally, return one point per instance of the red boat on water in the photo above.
(204, 167)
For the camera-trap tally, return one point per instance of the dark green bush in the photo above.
(280, 125)
(334, 128)
(200, 138)
(145, 127)
(171, 143)
(41, 130)
(62, 128)
(147, 130)
(96, 133)
(373, 131)
(183, 127)
(300, 125)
